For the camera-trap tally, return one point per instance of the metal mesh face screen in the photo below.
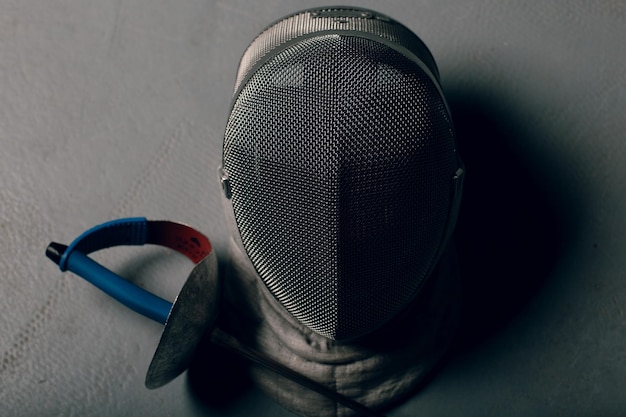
(340, 154)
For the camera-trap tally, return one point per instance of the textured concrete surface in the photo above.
(117, 108)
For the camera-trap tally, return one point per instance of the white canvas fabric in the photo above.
(376, 371)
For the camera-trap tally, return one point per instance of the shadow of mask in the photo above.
(510, 233)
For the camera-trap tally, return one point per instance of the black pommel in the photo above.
(55, 251)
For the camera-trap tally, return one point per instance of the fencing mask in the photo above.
(340, 167)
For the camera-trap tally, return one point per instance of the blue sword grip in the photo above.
(132, 296)
(129, 231)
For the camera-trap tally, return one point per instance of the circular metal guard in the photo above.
(193, 314)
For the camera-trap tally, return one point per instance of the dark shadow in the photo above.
(509, 233)
(216, 377)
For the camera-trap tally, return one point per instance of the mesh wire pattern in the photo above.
(340, 153)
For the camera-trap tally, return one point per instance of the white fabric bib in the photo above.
(376, 371)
